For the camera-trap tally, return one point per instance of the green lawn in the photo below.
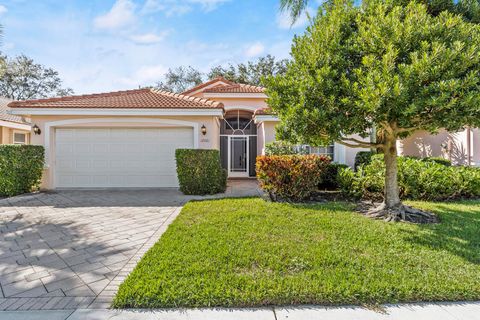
(248, 252)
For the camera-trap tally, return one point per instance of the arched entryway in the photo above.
(238, 143)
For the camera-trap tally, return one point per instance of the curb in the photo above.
(19, 198)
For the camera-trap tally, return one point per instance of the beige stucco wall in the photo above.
(452, 146)
(268, 135)
(6, 135)
(209, 141)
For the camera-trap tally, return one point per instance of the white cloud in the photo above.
(149, 38)
(180, 7)
(284, 21)
(145, 75)
(3, 9)
(255, 50)
(120, 15)
(209, 5)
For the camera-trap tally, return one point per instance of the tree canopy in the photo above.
(397, 68)
(469, 9)
(180, 79)
(251, 72)
(23, 79)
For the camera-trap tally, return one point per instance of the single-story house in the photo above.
(128, 138)
(13, 129)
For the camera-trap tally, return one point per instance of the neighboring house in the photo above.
(13, 129)
(128, 138)
(462, 148)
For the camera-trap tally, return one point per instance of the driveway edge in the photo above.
(105, 298)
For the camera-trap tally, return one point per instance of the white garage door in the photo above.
(118, 157)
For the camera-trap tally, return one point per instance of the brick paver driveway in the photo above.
(72, 249)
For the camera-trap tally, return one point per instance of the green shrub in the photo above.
(291, 177)
(417, 179)
(282, 148)
(330, 177)
(439, 160)
(21, 168)
(363, 158)
(200, 172)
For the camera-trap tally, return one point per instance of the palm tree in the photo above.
(295, 7)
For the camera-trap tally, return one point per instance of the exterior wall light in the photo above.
(36, 130)
(204, 129)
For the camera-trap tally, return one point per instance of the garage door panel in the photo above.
(119, 157)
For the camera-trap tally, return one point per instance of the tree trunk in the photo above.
(391, 193)
(392, 208)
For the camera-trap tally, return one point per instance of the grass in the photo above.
(248, 252)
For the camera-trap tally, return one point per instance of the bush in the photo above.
(330, 177)
(418, 180)
(439, 160)
(291, 177)
(363, 158)
(21, 168)
(200, 172)
(281, 148)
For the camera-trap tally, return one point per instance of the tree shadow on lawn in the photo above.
(458, 231)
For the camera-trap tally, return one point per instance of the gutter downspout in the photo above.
(469, 146)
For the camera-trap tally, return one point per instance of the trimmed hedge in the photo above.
(200, 172)
(282, 148)
(21, 168)
(439, 160)
(291, 177)
(417, 179)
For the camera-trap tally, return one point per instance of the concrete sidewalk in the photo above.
(423, 311)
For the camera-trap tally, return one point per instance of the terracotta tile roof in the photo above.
(140, 98)
(226, 86)
(235, 88)
(206, 84)
(264, 111)
(9, 117)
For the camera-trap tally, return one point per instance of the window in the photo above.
(19, 138)
(327, 151)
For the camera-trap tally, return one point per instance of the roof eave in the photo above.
(32, 111)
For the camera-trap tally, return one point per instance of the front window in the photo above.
(238, 122)
(19, 138)
(327, 151)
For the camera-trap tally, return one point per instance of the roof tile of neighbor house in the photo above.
(264, 111)
(139, 98)
(225, 86)
(9, 117)
(235, 88)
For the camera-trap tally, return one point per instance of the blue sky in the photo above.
(105, 45)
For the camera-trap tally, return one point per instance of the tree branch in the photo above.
(359, 144)
(363, 143)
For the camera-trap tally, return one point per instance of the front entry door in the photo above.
(238, 156)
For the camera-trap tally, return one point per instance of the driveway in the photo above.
(72, 249)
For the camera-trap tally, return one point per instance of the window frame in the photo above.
(325, 148)
(19, 132)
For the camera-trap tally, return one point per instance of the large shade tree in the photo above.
(469, 9)
(397, 68)
(21, 78)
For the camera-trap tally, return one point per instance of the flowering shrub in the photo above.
(291, 177)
